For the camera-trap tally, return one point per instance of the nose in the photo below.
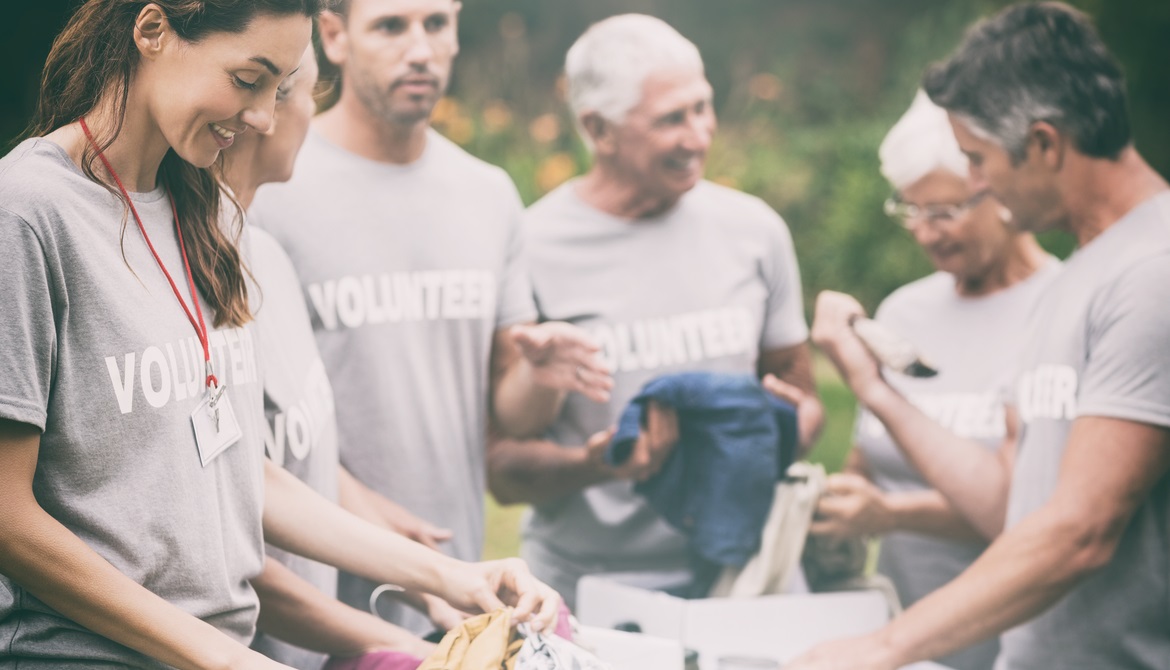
(977, 178)
(418, 50)
(259, 116)
(925, 233)
(700, 129)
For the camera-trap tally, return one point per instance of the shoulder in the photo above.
(35, 176)
(454, 159)
(919, 295)
(734, 205)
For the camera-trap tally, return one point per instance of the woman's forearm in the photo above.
(299, 520)
(293, 610)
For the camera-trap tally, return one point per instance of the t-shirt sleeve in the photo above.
(516, 304)
(1127, 374)
(784, 324)
(28, 330)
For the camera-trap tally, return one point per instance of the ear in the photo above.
(1048, 144)
(601, 133)
(150, 30)
(334, 38)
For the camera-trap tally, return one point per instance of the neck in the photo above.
(1023, 258)
(350, 125)
(1100, 192)
(245, 194)
(135, 154)
(616, 194)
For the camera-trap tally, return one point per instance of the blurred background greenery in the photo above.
(805, 91)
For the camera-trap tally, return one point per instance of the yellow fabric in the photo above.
(484, 642)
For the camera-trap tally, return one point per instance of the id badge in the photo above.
(213, 436)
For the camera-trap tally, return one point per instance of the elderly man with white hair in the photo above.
(969, 318)
(669, 273)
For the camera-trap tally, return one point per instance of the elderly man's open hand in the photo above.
(564, 357)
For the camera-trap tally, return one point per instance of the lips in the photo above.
(687, 164)
(223, 136)
(430, 83)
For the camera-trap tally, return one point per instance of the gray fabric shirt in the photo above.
(298, 401)
(708, 285)
(1100, 346)
(98, 354)
(975, 343)
(408, 271)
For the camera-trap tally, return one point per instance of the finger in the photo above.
(658, 426)
(793, 395)
(841, 483)
(824, 529)
(592, 384)
(527, 589)
(831, 507)
(487, 600)
(550, 610)
(530, 339)
(601, 438)
(669, 424)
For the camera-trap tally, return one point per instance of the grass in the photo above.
(502, 533)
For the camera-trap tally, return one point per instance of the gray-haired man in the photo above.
(669, 273)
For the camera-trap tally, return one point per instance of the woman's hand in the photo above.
(492, 585)
(851, 507)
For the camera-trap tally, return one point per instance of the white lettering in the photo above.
(123, 383)
(173, 371)
(324, 299)
(650, 344)
(159, 395)
(351, 304)
(1048, 392)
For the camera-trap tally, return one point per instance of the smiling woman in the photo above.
(127, 538)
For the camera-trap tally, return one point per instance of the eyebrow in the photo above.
(267, 64)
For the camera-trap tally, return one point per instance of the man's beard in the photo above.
(381, 105)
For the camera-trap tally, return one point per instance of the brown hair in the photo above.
(95, 55)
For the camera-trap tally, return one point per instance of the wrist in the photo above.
(873, 392)
(890, 514)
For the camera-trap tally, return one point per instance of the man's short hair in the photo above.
(1033, 62)
(607, 66)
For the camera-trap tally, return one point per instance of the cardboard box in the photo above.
(773, 627)
(630, 651)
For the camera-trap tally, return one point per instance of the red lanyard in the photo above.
(199, 325)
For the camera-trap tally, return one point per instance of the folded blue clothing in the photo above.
(736, 441)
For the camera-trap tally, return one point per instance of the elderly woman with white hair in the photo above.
(968, 318)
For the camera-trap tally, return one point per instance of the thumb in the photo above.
(840, 483)
(531, 339)
(782, 389)
(601, 438)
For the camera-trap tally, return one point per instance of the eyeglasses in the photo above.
(935, 215)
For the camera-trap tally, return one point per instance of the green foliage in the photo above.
(805, 91)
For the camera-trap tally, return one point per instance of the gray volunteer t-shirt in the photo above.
(408, 271)
(708, 285)
(1100, 347)
(975, 343)
(98, 354)
(298, 401)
